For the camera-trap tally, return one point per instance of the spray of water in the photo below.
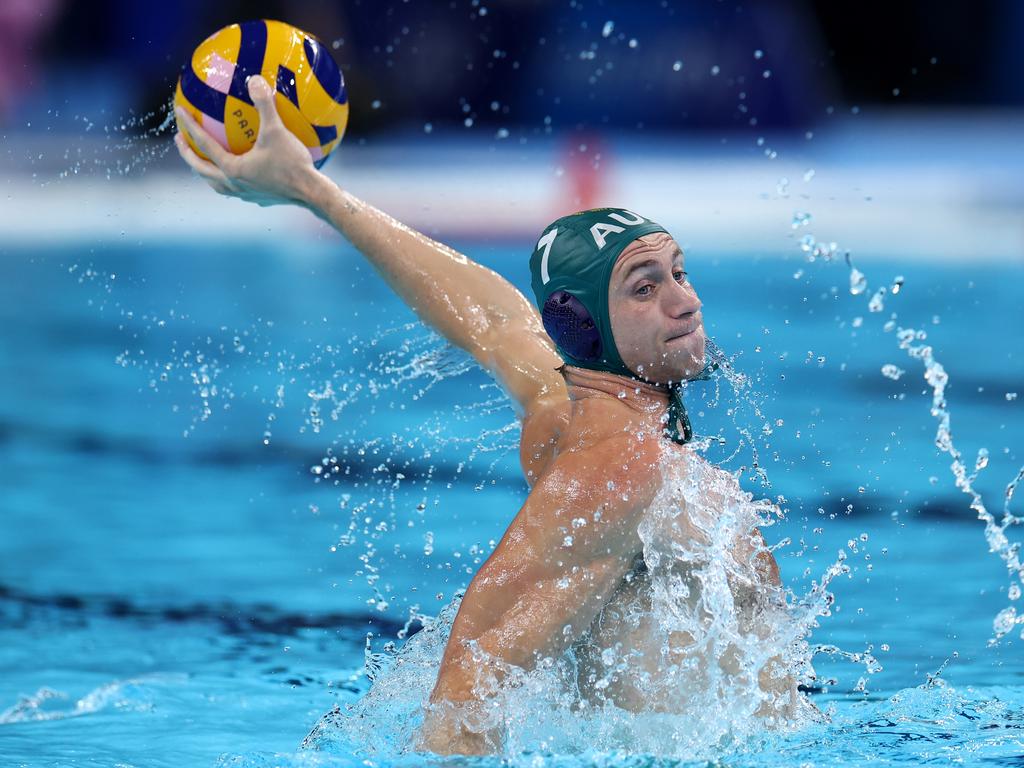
(122, 147)
(700, 650)
(914, 342)
(714, 648)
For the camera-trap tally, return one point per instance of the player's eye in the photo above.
(644, 290)
(680, 275)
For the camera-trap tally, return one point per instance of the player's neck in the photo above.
(636, 395)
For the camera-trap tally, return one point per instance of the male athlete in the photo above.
(595, 371)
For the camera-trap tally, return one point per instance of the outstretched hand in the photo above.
(278, 169)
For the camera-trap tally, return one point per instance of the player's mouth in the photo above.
(682, 333)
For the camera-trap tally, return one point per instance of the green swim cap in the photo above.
(571, 268)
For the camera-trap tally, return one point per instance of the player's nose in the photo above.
(682, 300)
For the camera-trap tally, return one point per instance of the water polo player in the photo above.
(595, 370)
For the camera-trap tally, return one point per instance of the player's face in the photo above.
(654, 311)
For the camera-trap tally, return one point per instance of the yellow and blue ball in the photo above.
(309, 87)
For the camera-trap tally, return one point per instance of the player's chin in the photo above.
(685, 355)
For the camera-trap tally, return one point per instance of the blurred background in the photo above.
(227, 452)
(577, 62)
(525, 109)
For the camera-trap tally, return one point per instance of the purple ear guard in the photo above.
(569, 323)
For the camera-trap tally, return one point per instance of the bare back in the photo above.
(581, 424)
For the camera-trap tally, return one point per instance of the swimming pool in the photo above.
(225, 464)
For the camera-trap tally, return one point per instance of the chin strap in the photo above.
(678, 429)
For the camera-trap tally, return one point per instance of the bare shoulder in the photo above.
(616, 477)
(544, 423)
(622, 460)
(548, 432)
(523, 359)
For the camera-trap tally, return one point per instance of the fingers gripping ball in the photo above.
(309, 87)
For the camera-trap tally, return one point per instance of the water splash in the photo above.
(751, 634)
(1011, 488)
(124, 146)
(320, 400)
(912, 341)
(746, 407)
(698, 652)
(134, 695)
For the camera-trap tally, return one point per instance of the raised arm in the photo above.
(554, 569)
(471, 306)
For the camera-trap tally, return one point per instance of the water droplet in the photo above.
(877, 303)
(800, 219)
(891, 371)
(607, 29)
(375, 104)
(758, 54)
(897, 284)
(715, 70)
(632, 42)
(858, 282)
(982, 460)
(677, 66)
(1004, 621)
(428, 127)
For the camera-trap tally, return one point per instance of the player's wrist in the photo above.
(315, 191)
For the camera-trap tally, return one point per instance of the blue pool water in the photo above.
(224, 465)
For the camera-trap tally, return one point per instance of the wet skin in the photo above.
(582, 435)
(655, 311)
(584, 456)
